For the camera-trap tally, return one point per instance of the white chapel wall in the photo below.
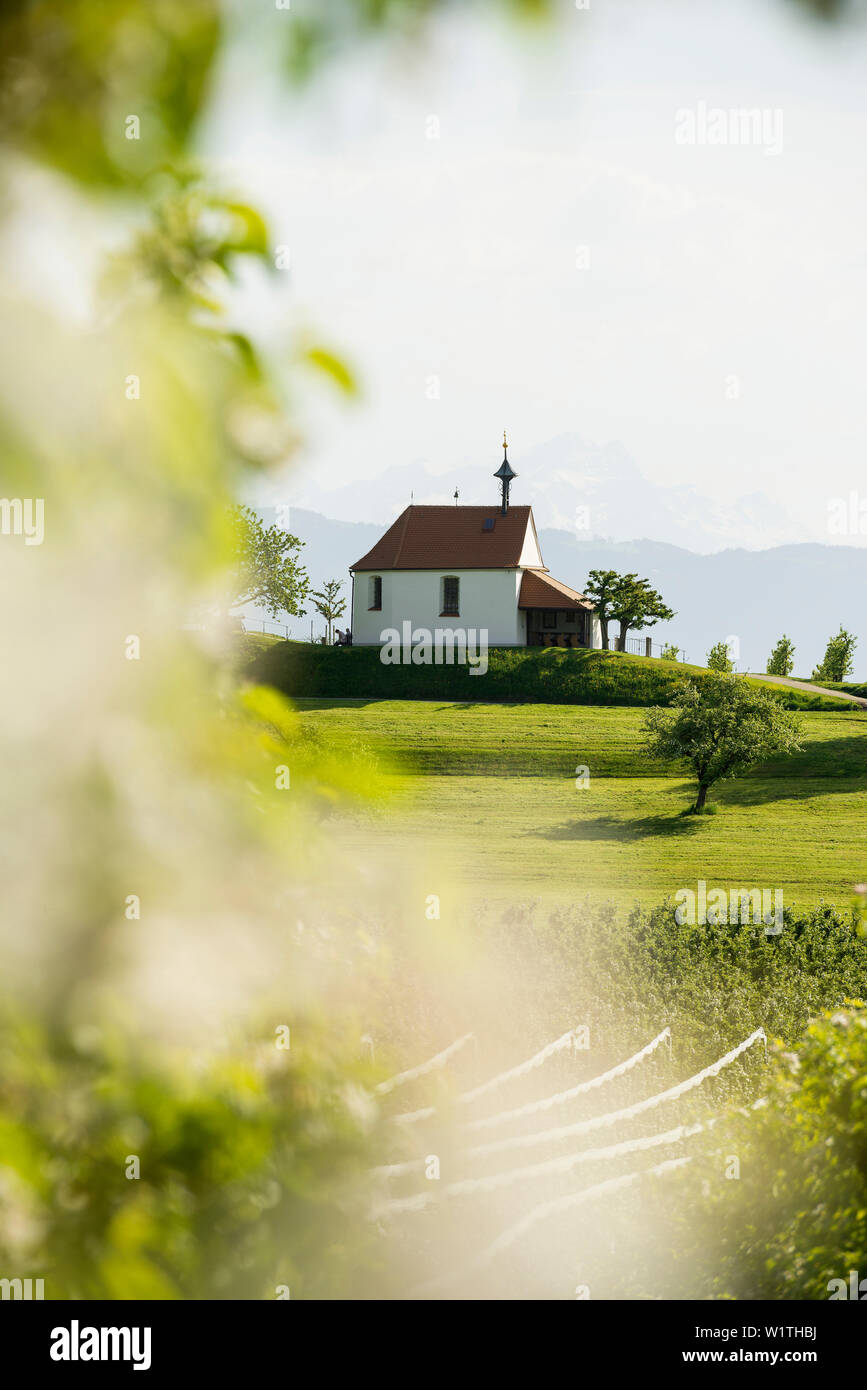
(488, 599)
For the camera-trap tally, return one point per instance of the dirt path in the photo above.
(813, 689)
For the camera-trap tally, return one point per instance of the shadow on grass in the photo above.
(753, 791)
(459, 705)
(313, 702)
(675, 825)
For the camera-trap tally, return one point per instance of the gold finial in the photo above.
(505, 442)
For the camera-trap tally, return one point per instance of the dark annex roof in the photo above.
(539, 590)
(442, 538)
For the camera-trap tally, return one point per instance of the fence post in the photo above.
(648, 647)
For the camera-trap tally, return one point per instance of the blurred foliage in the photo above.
(186, 252)
(247, 1174)
(332, 367)
(323, 32)
(182, 820)
(796, 1217)
(184, 260)
(74, 73)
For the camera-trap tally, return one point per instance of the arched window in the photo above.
(450, 593)
(374, 593)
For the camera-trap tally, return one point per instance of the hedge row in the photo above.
(550, 675)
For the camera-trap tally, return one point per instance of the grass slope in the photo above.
(490, 792)
(518, 675)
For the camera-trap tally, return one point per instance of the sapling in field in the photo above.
(836, 664)
(781, 661)
(719, 659)
(328, 602)
(720, 726)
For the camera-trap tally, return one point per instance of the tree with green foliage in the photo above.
(636, 604)
(669, 652)
(600, 588)
(267, 571)
(721, 726)
(781, 660)
(718, 658)
(836, 664)
(326, 602)
(187, 250)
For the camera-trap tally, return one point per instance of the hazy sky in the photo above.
(715, 323)
(556, 261)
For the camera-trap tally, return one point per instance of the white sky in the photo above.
(456, 257)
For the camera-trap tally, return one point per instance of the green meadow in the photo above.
(488, 794)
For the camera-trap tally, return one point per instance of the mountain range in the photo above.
(596, 490)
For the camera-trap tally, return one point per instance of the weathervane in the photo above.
(457, 494)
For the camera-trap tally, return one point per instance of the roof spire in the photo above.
(505, 473)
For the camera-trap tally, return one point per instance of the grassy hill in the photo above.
(515, 675)
(489, 792)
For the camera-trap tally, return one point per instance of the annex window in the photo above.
(374, 593)
(450, 591)
(571, 616)
(549, 619)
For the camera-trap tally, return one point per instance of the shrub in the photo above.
(795, 1223)
(515, 675)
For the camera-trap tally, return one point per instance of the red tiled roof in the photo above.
(441, 538)
(539, 590)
